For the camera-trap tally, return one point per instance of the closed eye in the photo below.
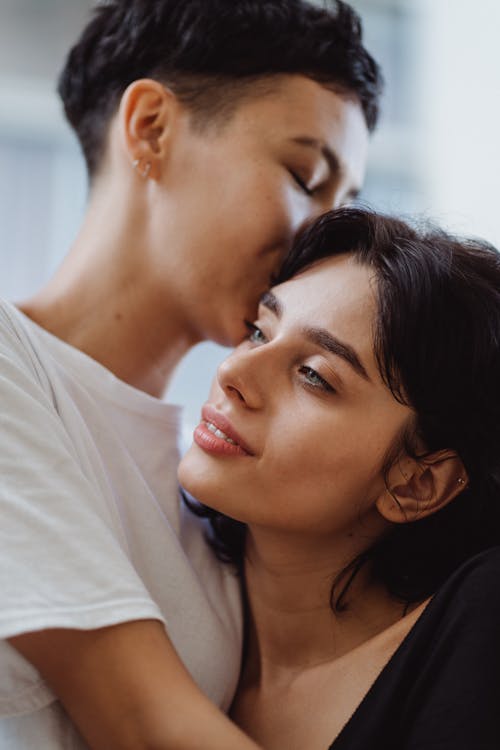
(302, 185)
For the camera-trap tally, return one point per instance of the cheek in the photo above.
(252, 218)
(269, 204)
(192, 474)
(323, 464)
(223, 486)
(246, 242)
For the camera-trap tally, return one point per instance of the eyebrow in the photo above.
(321, 337)
(330, 157)
(272, 303)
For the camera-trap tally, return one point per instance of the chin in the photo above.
(195, 477)
(192, 476)
(184, 474)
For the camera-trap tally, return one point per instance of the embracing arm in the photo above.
(125, 688)
(124, 685)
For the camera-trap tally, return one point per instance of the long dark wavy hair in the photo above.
(437, 345)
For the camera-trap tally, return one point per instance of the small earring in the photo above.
(143, 171)
(460, 480)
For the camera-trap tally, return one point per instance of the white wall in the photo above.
(461, 106)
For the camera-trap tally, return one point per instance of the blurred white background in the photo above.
(437, 150)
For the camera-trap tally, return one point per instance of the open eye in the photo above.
(314, 379)
(255, 335)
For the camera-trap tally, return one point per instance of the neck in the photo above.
(292, 624)
(105, 301)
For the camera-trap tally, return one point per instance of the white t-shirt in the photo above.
(91, 529)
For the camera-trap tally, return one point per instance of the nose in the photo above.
(337, 193)
(334, 198)
(240, 376)
(319, 204)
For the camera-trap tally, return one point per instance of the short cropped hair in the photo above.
(210, 53)
(436, 340)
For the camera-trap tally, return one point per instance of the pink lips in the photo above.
(211, 443)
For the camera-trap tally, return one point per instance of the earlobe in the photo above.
(147, 117)
(422, 487)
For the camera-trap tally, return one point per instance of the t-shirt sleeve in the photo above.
(63, 557)
(459, 683)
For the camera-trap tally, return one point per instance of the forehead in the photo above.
(337, 294)
(288, 107)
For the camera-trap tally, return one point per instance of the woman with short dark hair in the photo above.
(212, 130)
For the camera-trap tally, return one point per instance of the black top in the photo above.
(441, 688)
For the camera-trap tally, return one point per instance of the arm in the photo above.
(65, 580)
(125, 688)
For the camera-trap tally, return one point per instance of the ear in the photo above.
(148, 115)
(419, 488)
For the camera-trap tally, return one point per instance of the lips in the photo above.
(216, 421)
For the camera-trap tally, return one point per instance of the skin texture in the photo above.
(309, 438)
(117, 685)
(172, 253)
(184, 255)
(310, 485)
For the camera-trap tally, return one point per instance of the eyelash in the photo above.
(308, 372)
(252, 330)
(302, 185)
(320, 382)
